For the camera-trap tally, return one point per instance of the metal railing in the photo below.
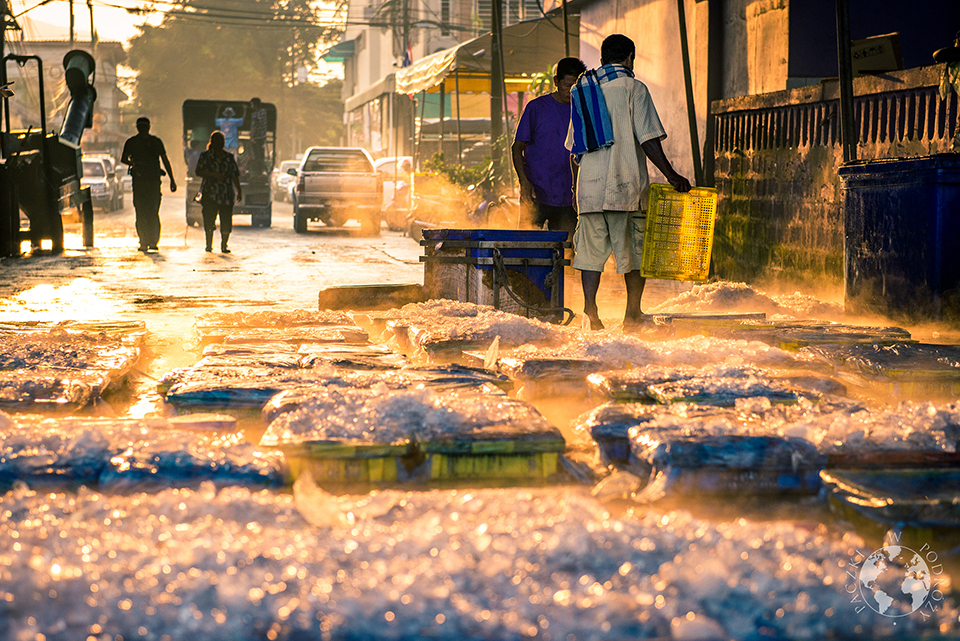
(910, 115)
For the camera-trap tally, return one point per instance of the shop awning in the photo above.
(340, 51)
(529, 47)
(383, 86)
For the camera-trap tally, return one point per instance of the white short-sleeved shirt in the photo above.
(615, 178)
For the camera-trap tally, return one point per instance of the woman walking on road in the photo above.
(220, 175)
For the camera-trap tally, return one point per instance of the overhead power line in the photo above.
(267, 18)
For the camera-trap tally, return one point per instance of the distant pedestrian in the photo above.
(144, 153)
(541, 160)
(613, 130)
(258, 134)
(221, 176)
(230, 125)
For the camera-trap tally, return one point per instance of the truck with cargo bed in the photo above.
(337, 184)
(203, 117)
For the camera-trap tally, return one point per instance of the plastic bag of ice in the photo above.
(273, 318)
(43, 451)
(637, 384)
(720, 456)
(332, 413)
(911, 433)
(176, 458)
(52, 390)
(609, 424)
(130, 453)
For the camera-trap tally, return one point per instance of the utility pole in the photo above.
(848, 137)
(496, 84)
(93, 32)
(691, 104)
(72, 39)
(566, 30)
(3, 74)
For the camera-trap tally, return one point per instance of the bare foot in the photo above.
(630, 323)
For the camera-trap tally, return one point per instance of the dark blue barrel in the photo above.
(902, 237)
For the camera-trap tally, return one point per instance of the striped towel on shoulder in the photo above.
(592, 128)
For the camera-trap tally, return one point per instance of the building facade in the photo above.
(384, 37)
(765, 95)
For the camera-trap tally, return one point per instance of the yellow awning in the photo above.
(479, 83)
(529, 47)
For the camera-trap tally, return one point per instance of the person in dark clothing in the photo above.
(144, 153)
(221, 177)
(258, 134)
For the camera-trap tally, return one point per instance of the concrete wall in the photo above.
(780, 220)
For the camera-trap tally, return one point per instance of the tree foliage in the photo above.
(235, 50)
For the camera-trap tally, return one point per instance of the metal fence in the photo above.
(915, 115)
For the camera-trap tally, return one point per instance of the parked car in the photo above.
(283, 182)
(337, 184)
(396, 172)
(117, 171)
(106, 190)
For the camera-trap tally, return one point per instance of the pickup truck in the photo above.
(337, 184)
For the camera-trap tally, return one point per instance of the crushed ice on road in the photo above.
(148, 529)
(462, 564)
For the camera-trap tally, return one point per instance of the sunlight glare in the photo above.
(80, 299)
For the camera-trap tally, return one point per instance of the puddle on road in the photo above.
(183, 302)
(80, 299)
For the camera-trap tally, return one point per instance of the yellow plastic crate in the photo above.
(679, 233)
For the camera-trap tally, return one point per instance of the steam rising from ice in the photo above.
(725, 296)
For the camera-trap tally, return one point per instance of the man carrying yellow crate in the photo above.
(614, 128)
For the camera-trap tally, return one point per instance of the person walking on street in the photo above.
(144, 153)
(614, 128)
(230, 125)
(219, 189)
(541, 160)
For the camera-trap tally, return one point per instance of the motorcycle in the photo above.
(490, 211)
(398, 211)
(494, 211)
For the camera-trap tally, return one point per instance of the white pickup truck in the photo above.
(337, 184)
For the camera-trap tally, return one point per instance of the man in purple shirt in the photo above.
(540, 158)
